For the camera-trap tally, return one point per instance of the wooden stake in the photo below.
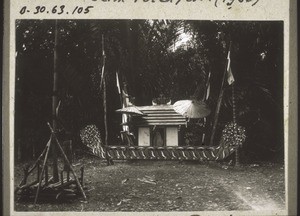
(68, 162)
(28, 185)
(26, 174)
(75, 177)
(81, 177)
(43, 168)
(46, 174)
(39, 158)
(68, 175)
(38, 171)
(61, 177)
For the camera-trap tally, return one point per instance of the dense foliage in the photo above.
(149, 58)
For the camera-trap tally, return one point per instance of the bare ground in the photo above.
(171, 186)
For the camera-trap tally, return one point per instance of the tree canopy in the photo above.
(151, 59)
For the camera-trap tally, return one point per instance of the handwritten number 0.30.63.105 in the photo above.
(56, 10)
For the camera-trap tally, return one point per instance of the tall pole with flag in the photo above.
(54, 104)
(205, 98)
(103, 83)
(118, 85)
(230, 79)
(124, 98)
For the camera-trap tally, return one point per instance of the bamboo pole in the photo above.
(81, 175)
(217, 112)
(204, 98)
(54, 103)
(46, 175)
(41, 174)
(105, 119)
(28, 171)
(68, 162)
(233, 104)
(103, 82)
(237, 153)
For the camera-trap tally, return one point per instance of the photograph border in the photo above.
(290, 117)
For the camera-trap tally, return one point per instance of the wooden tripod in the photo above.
(47, 148)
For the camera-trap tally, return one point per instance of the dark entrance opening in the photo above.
(158, 137)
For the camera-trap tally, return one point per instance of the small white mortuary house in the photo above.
(158, 126)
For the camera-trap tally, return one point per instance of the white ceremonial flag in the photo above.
(118, 83)
(230, 78)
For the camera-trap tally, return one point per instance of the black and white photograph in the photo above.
(149, 115)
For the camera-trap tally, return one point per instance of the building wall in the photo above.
(144, 136)
(172, 136)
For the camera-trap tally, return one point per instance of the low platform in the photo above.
(202, 153)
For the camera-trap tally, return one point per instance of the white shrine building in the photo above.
(158, 126)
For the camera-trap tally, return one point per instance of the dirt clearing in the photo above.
(172, 186)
